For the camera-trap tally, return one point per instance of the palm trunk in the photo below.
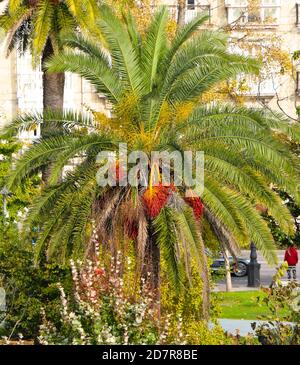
(152, 264)
(181, 13)
(227, 269)
(53, 95)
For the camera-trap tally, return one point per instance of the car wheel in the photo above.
(240, 269)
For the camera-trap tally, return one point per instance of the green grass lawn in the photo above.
(242, 305)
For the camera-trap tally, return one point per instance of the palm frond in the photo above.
(258, 229)
(102, 77)
(77, 147)
(186, 223)
(36, 157)
(14, 5)
(154, 47)
(42, 26)
(86, 45)
(123, 54)
(165, 225)
(185, 33)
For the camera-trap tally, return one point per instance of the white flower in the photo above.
(139, 319)
(72, 315)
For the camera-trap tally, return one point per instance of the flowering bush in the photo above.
(107, 308)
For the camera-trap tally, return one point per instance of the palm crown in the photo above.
(33, 22)
(154, 88)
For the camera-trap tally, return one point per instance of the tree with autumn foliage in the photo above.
(155, 88)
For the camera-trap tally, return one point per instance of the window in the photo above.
(190, 4)
(234, 3)
(270, 11)
(237, 15)
(264, 85)
(298, 15)
(195, 8)
(270, 2)
(267, 13)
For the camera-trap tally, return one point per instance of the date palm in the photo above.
(154, 87)
(37, 25)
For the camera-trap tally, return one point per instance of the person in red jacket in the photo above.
(291, 257)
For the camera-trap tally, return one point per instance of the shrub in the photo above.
(27, 287)
(108, 306)
(278, 330)
(104, 309)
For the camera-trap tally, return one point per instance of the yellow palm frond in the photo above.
(14, 5)
(42, 26)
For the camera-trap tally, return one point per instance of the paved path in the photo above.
(266, 273)
(242, 326)
(234, 326)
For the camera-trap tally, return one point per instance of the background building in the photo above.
(267, 24)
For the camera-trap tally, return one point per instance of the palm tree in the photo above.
(154, 88)
(37, 25)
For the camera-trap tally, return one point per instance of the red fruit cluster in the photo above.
(196, 204)
(155, 199)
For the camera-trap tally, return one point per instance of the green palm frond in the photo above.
(42, 204)
(64, 21)
(259, 147)
(201, 78)
(165, 225)
(60, 209)
(155, 45)
(78, 147)
(45, 202)
(8, 20)
(123, 54)
(36, 157)
(185, 33)
(88, 46)
(191, 233)
(247, 118)
(102, 77)
(220, 204)
(252, 184)
(224, 236)
(65, 120)
(12, 23)
(133, 33)
(73, 228)
(258, 229)
(243, 161)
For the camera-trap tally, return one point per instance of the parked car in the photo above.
(239, 268)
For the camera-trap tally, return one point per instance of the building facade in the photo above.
(258, 21)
